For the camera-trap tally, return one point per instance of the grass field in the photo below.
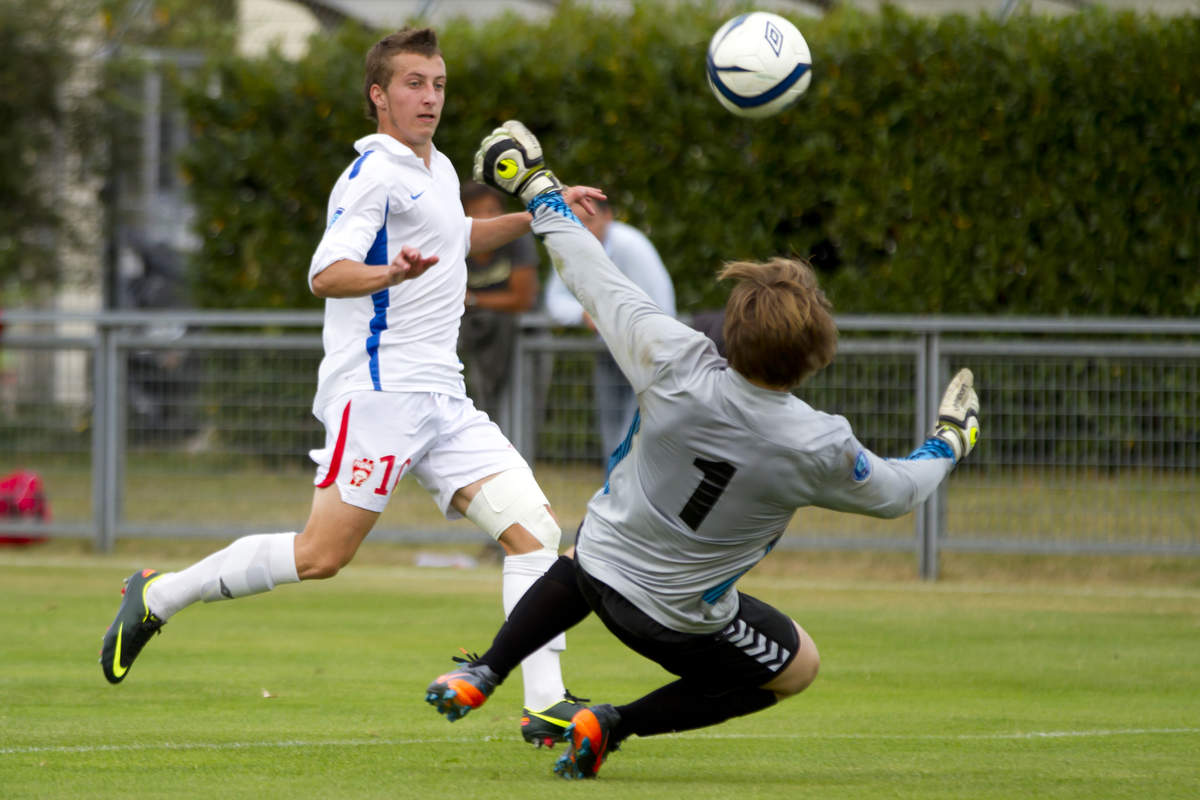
(1080, 687)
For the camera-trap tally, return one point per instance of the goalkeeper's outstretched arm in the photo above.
(864, 483)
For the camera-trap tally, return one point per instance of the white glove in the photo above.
(958, 415)
(510, 158)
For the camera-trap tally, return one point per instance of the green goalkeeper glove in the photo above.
(510, 158)
(958, 415)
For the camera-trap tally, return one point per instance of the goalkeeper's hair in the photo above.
(779, 327)
(422, 41)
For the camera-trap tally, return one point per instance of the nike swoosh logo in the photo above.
(552, 720)
(418, 194)
(225, 589)
(117, 669)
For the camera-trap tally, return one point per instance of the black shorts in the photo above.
(755, 647)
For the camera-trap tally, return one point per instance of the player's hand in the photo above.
(409, 264)
(580, 198)
(510, 158)
(958, 415)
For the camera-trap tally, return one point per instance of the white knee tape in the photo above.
(514, 498)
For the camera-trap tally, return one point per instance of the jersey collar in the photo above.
(391, 146)
(755, 393)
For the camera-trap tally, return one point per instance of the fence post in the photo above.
(99, 399)
(105, 399)
(930, 518)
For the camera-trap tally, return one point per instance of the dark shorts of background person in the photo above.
(757, 645)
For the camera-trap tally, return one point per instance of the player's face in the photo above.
(411, 106)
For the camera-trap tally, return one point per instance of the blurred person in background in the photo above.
(637, 259)
(501, 285)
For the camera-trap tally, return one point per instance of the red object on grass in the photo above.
(22, 496)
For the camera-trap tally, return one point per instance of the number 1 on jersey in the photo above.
(717, 475)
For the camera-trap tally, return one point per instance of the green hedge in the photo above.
(38, 126)
(945, 165)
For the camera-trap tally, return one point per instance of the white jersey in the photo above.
(403, 338)
(716, 467)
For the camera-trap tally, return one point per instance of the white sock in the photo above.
(540, 672)
(250, 565)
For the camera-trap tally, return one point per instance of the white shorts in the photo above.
(373, 439)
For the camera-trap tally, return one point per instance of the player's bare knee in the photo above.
(319, 566)
(316, 561)
(518, 541)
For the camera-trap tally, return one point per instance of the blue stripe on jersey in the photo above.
(714, 594)
(717, 592)
(378, 326)
(377, 255)
(623, 448)
(932, 448)
(358, 164)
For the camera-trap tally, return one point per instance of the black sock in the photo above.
(552, 605)
(683, 706)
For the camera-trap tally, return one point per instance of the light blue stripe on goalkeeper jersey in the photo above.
(377, 255)
(715, 593)
(623, 448)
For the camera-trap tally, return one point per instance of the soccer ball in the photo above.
(758, 64)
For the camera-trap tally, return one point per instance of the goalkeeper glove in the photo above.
(510, 158)
(958, 415)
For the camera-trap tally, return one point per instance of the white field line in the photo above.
(297, 743)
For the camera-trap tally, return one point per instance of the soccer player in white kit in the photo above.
(721, 456)
(390, 391)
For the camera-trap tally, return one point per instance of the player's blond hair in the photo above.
(422, 41)
(779, 327)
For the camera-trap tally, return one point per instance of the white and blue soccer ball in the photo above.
(758, 64)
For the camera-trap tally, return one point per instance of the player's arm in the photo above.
(860, 481)
(493, 232)
(348, 278)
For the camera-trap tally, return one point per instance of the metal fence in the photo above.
(198, 424)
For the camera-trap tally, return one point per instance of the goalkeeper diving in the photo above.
(718, 460)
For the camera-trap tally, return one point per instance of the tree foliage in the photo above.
(32, 136)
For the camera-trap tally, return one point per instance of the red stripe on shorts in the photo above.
(335, 464)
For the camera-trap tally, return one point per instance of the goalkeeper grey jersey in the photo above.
(714, 467)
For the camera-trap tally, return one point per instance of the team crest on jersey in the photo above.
(862, 467)
(362, 471)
